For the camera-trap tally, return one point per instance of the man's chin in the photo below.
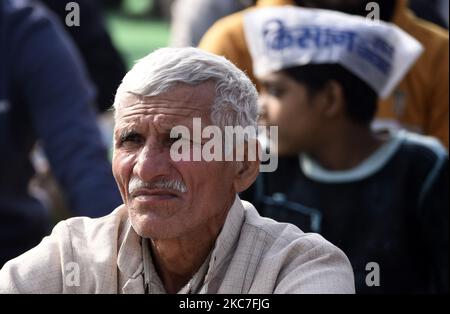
(153, 227)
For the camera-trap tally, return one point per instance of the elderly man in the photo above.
(182, 227)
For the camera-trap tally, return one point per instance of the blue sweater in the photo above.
(45, 96)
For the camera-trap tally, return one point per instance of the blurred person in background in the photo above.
(45, 96)
(192, 18)
(435, 11)
(380, 196)
(105, 68)
(420, 103)
(104, 63)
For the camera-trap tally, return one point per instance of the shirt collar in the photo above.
(134, 258)
(129, 256)
(154, 285)
(227, 239)
(368, 167)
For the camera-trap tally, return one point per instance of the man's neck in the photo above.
(177, 260)
(347, 148)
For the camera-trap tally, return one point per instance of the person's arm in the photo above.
(38, 270)
(79, 256)
(437, 122)
(433, 219)
(323, 269)
(53, 84)
(104, 63)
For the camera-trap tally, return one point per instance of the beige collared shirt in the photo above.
(152, 282)
(252, 254)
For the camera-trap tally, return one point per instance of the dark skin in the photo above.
(316, 124)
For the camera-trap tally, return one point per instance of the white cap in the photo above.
(377, 52)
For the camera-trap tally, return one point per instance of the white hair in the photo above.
(235, 101)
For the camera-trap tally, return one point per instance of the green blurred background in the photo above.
(137, 27)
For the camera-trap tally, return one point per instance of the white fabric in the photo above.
(379, 53)
(252, 254)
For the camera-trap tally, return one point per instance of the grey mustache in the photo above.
(171, 184)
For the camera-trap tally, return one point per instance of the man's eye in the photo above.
(131, 138)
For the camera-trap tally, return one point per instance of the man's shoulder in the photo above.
(426, 158)
(289, 257)
(427, 149)
(87, 239)
(433, 37)
(231, 23)
(80, 246)
(225, 33)
(21, 16)
(426, 28)
(94, 228)
(279, 235)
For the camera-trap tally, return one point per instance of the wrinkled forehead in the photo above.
(176, 106)
(199, 97)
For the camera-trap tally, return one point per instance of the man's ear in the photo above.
(332, 100)
(248, 169)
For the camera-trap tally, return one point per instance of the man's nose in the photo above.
(153, 160)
